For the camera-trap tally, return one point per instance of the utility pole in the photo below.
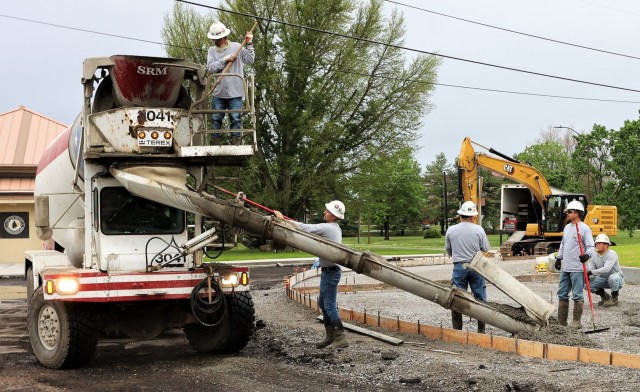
(444, 197)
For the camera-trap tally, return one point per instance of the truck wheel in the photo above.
(232, 334)
(61, 335)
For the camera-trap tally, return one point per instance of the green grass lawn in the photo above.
(628, 249)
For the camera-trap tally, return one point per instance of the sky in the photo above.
(41, 65)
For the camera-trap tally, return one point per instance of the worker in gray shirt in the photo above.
(229, 92)
(605, 272)
(331, 274)
(462, 242)
(575, 249)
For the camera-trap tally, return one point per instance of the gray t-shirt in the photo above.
(329, 231)
(605, 265)
(229, 86)
(464, 240)
(569, 250)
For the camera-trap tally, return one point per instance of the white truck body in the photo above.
(124, 263)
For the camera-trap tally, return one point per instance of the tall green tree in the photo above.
(435, 174)
(625, 166)
(552, 160)
(592, 161)
(389, 189)
(326, 104)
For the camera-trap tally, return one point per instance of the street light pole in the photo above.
(586, 151)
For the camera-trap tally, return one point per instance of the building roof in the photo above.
(25, 135)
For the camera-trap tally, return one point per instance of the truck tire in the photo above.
(232, 334)
(61, 335)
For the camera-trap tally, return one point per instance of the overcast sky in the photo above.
(41, 65)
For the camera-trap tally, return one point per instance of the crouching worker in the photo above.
(330, 277)
(605, 272)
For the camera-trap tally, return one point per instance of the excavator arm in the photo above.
(469, 160)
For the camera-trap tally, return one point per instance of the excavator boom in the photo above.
(540, 231)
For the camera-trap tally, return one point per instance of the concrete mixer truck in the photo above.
(124, 264)
(114, 193)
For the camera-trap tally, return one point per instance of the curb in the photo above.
(526, 348)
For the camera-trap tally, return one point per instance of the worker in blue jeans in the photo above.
(229, 91)
(576, 248)
(330, 276)
(462, 242)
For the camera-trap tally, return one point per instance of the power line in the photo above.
(515, 32)
(95, 32)
(486, 89)
(411, 49)
(344, 71)
(611, 8)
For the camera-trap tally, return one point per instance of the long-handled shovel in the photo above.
(586, 280)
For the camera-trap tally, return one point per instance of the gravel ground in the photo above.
(422, 364)
(282, 357)
(623, 320)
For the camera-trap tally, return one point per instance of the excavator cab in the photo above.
(555, 217)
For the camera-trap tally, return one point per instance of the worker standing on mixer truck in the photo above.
(330, 277)
(605, 272)
(462, 242)
(229, 92)
(576, 248)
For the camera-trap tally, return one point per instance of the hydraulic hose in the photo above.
(215, 309)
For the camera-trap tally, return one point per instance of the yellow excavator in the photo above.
(544, 222)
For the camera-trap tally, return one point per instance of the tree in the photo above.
(562, 136)
(625, 166)
(433, 180)
(592, 161)
(389, 191)
(551, 159)
(326, 105)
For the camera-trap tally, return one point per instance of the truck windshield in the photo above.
(123, 213)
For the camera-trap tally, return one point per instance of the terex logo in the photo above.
(508, 168)
(151, 70)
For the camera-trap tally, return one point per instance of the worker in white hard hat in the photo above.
(462, 242)
(331, 274)
(229, 92)
(575, 249)
(605, 272)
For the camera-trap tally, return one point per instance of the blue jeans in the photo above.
(613, 282)
(328, 297)
(571, 282)
(462, 278)
(226, 104)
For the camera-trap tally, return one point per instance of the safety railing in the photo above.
(248, 116)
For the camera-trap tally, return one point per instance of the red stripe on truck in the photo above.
(60, 145)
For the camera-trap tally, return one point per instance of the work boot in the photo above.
(328, 339)
(563, 312)
(339, 338)
(577, 315)
(456, 320)
(603, 295)
(481, 326)
(613, 301)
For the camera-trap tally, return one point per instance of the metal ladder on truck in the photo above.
(223, 156)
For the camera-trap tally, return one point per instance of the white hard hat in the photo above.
(336, 207)
(575, 205)
(218, 30)
(468, 208)
(603, 238)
